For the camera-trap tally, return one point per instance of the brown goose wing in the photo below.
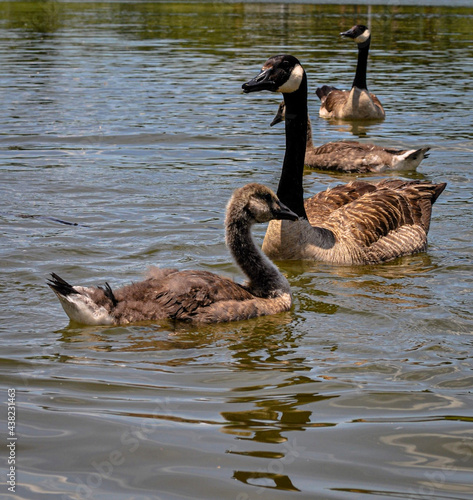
(376, 101)
(204, 297)
(335, 100)
(185, 293)
(419, 195)
(323, 91)
(389, 219)
(342, 156)
(374, 216)
(340, 147)
(322, 205)
(175, 294)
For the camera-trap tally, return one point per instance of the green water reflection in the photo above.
(128, 118)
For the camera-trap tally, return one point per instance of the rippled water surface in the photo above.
(123, 131)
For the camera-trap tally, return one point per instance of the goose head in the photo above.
(360, 34)
(280, 115)
(256, 203)
(282, 73)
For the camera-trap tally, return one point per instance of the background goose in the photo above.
(358, 103)
(197, 296)
(355, 223)
(353, 156)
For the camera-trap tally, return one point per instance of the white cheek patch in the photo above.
(363, 37)
(294, 81)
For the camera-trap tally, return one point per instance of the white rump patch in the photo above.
(363, 37)
(404, 162)
(83, 310)
(294, 81)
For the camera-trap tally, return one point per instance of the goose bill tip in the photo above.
(249, 87)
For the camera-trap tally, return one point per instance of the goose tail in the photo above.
(409, 160)
(81, 304)
(60, 286)
(418, 155)
(324, 91)
(438, 190)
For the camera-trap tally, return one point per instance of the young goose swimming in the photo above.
(195, 296)
(358, 103)
(353, 156)
(354, 223)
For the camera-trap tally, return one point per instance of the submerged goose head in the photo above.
(280, 114)
(360, 34)
(282, 73)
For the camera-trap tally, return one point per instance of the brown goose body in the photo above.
(353, 156)
(357, 103)
(358, 223)
(354, 104)
(354, 223)
(195, 296)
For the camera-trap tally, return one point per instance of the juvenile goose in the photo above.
(195, 296)
(354, 223)
(358, 103)
(353, 156)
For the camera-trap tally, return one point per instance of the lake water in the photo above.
(127, 121)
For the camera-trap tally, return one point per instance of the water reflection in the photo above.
(270, 423)
(400, 402)
(434, 450)
(255, 343)
(359, 129)
(272, 417)
(127, 117)
(266, 480)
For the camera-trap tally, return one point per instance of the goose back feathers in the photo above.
(357, 103)
(354, 223)
(358, 223)
(353, 156)
(195, 296)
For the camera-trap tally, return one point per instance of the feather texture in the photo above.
(353, 156)
(354, 223)
(196, 296)
(357, 103)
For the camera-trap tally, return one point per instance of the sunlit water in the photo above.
(127, 122)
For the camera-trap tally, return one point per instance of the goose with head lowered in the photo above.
(358, 103)
(354, 156)
(195, 296)
(354, 223)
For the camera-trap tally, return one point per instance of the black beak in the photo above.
(277, 119)
(284, 213)
(261, 82)
(279, 115)
(350, 33)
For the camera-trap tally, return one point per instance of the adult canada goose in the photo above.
(358, 103)
(354, 223)
(353, 156)
(195, 296)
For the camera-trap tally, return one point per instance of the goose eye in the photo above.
(267, 198)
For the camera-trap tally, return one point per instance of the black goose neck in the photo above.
(290, 189)
(261, 273)
(362, 65)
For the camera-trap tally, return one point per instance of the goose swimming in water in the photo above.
(353, 156)
(354, 223)
(358, 103)
(195, 296)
